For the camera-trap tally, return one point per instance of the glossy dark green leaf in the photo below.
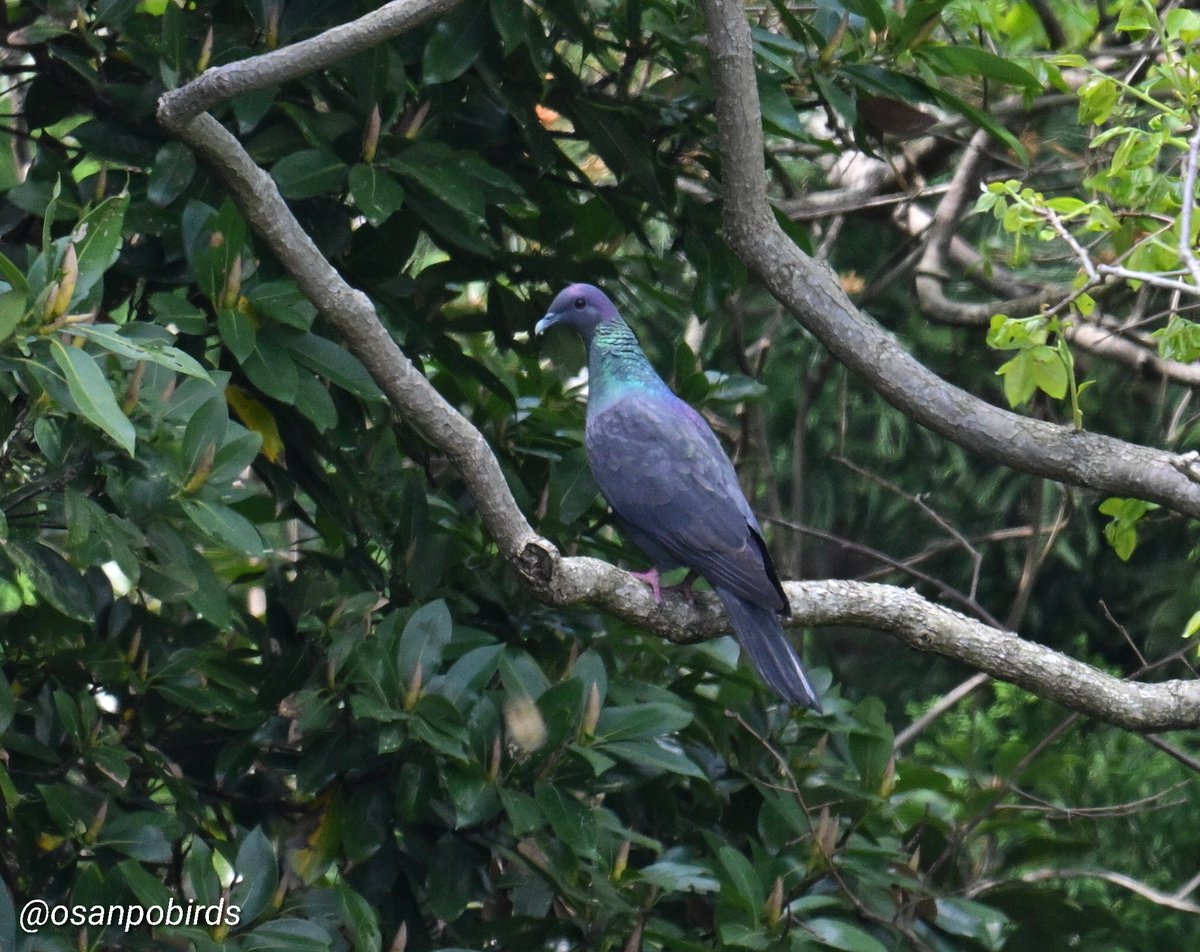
(740, 879)
(224, 526)
(456, 42)
(571, 821)
(54, 578)
(98, 238)
(837, 934)
(450, 882)
(92, 394)
(111, 339)
(287, 935)
(142, 836)
(257, 872)
(309, 173)
(336, 363)
(173, 170)
(13, 307)
(425, 636)
(376, 194)
(237, 331)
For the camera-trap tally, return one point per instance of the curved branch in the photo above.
(216, 85)
(564, 581)
(814, 296)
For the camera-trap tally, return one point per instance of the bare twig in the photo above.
(1186, 250)
(945, 703)
(1159, 898)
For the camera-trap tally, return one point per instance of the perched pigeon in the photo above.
(673, 489)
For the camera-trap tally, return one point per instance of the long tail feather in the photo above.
(762, 638)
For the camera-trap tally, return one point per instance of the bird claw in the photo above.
(684, 589)
(651, 578)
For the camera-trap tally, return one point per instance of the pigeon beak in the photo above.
(546, 323)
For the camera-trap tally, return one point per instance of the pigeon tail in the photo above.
(762, 638)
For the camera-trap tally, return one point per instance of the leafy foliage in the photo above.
(256, 649)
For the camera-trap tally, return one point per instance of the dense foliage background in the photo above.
(256, 645)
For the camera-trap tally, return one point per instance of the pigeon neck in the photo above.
(617, 366)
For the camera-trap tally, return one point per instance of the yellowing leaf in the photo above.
(257, 418)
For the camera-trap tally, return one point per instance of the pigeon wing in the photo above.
(664, 473)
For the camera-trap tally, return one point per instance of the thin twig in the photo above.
(1189, 206)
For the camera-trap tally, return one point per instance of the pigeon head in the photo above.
(581, 306)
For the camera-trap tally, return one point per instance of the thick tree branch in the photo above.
(291, 62)
(816, 299)
(564, 581)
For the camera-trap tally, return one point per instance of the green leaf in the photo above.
(680, 877)
(14, 305)
(653, 756)
(8, 918)
(224, 526)
(1019, 382)
(450, 882)
(8, 704)
(972, 61)
(508, 17)
(641, 720)
(974, 920)
(457, 40)
(336, 363)
(205, 431)
(470, 672)
(1098, 97)
(143, 836)
(1049, 372)
(309, 173)
(428, 631)
(359, 919)
(257, 872)
(287, 935)
(376, 194)
(739, 875)
(199, 869)
(270, 367)
(92, 394)
(13, 275)
(438, 170)
(54, 578)
(1189, 630)
(173, 170)
(98, 239)
(572, 822)
(237, 331)
(281, 301)
(836, 934)
(111, 339)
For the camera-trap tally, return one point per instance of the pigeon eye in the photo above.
(580, 304)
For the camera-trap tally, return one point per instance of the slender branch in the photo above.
(1189, 206)
(1156, 896)
(815, 298)
(945, 703)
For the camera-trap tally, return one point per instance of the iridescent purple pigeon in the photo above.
(672, 488)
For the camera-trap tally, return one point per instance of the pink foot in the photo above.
(651, 578)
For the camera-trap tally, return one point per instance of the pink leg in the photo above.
(651, 578)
